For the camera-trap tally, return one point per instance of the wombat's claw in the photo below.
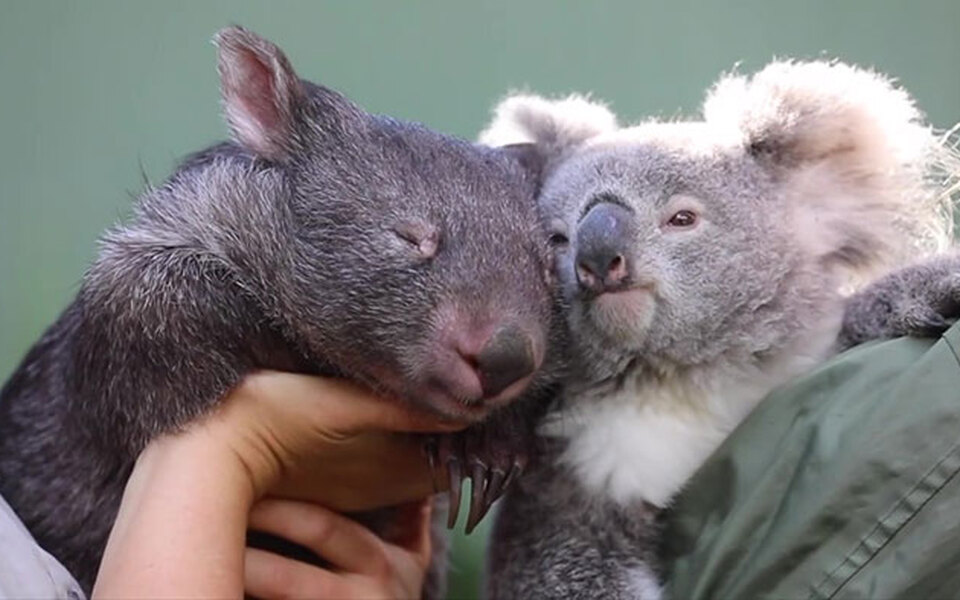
(478, 487)
(456, 457)
(456, 481)
(488, 486)
(432, 450)
(504, 481)
(516, 469)
(494, 489)
(443, 454)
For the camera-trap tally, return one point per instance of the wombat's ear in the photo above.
(552, 126)
(262, 96)
(530, 158)
(850, 151)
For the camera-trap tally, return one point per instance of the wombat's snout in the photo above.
(505, 358)
(484, 366)
(604, 237)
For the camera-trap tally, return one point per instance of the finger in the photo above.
(411, 546)
(348, 407)
(423, 547)
(268, 575)
(342, 542)
(411, 528)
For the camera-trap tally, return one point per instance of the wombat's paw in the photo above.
(920, 300)
(488, 456)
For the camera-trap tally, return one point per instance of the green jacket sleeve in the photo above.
(842, 485)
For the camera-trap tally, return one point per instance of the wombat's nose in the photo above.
(603, 242)
(507, 357)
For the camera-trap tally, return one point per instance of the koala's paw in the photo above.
(920, 300)
(490, 456)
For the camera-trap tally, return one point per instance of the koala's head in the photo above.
(419, 265)
(679, 243)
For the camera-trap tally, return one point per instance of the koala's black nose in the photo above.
(507, 357)
(604, 238)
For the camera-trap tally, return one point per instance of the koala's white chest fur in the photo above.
(643, 441)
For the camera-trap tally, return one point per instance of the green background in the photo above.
(96, 95)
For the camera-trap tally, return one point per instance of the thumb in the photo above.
(344, 406)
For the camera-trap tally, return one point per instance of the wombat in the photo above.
(321, 239)
(707, 262)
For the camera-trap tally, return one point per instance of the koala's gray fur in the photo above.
(726, 248)
(553, 539)
(921, 300)
(321, 240)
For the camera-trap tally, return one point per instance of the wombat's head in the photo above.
(682, 242)
(419, 266)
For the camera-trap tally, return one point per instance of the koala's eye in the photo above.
(558, 240)
(558, 234)
(683, 219)
(422, 237)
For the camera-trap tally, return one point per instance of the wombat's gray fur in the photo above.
(706, 262)
(322, 239)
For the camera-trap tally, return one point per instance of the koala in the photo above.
(321, 239)
(704, 263)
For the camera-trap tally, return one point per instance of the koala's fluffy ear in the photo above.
(849, 147)
(262, 96)
(552, 126)
(795, 112)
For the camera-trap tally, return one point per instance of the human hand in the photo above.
(324, 440)
(361, 565)
(183, 518)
